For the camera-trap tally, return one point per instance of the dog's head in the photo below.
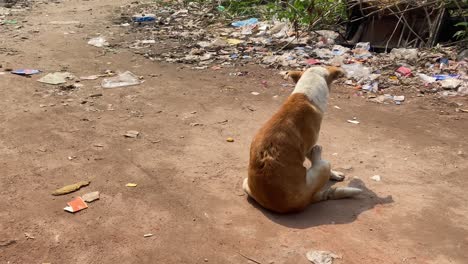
(329, 73)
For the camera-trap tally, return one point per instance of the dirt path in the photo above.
(189, 178)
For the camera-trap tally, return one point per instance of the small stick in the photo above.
(251, 259)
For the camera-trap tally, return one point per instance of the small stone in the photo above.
(131, 134)
(229, 139)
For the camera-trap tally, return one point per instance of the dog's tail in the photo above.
(336, 193)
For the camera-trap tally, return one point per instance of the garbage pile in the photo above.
(166, 33)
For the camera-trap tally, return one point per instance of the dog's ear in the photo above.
(334, 73)
(294, 75)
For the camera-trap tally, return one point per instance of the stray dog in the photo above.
(277, 178)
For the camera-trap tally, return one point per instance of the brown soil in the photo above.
(189, 178)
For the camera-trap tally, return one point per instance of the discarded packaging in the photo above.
(56, 78)
(361, 50)
(353, 121)
(70, 188)
(25, 71)
(98, 42)
(441, 77)
(131, 185)
(376, 178)
(425, 78)
(451, 83)
(148, 235)
(230, 139)
(90, 197)
(247, 22)
(124, 79)
(406, 54)
(132, 134)
(404, 71)
(76, 205)
(357, 71)
(144, 18)
(321, 257)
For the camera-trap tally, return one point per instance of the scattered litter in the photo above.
(313, 62)
(406, 54)
(148, 235)
(70, 188)
(255, 93)
(427, 79)
(247, 22)
(75, 205)
(376, 178)
(132, 134)
(131, 185)
(399, 99)
(336, 107)
(441, 77)
(404, 71)
(321, 257)
(91, 197)
(145, 18)
(25, 71)
(56, 78)
(98, 42)
(353, 121)
(357, 71)
(451, 83)
(361, 50)
(229, 139)
(124, 79)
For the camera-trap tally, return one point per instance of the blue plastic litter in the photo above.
(25, 71)
(441, 77)
(444, 61)
(144, 18)
(247, 22)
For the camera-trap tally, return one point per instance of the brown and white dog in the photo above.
(277, 178)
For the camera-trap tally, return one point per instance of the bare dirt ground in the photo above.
(189, 178)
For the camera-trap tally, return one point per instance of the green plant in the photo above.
(463, 33)
(309, 13)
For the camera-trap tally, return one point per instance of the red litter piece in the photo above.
(404, 71)
(76, 205)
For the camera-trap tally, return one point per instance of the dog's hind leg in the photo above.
(336, 193)
(319, 174)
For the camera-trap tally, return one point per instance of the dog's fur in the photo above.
(277, 178)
